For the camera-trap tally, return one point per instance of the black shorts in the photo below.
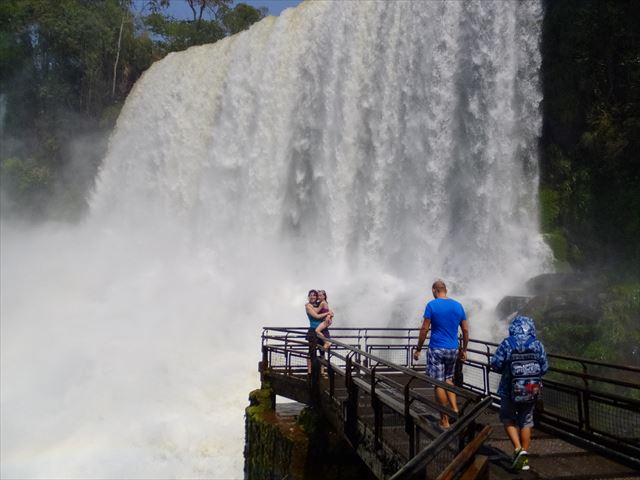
(314, 342)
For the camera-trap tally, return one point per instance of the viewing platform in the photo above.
(372, 393)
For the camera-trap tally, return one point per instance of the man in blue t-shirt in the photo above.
(443, 315)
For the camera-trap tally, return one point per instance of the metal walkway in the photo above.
(372, 392)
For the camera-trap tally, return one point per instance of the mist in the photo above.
(132, 353)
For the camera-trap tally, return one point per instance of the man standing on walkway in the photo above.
(443, 315)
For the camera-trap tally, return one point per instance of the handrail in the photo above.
(598, 378)
(393, 392)
(630, 368)
(599, 406)
(465, 455)
(584, 376)
(419, 461)
(412, 373)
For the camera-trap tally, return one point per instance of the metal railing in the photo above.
(380, 401)
(593, 401)
(596, 402)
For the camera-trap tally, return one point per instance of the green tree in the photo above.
(175, 35)
(590, 165)
(59, 77)
(241, 17)
(220, 21)
(66, 67)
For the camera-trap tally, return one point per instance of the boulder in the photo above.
(511, 304)
(548, 283)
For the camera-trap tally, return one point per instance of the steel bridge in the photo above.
(373, 393)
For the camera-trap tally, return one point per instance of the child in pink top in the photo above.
(323, 329)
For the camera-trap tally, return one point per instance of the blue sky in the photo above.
(180, 8)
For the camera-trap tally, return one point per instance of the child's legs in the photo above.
(525, 422)
(509, 418)
(327, 336)
(513, 434)
(525, 437)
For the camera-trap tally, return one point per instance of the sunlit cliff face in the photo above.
(366, 148)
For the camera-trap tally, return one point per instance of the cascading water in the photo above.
(362, 147)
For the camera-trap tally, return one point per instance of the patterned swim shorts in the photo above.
(518, 414)
(441, 363)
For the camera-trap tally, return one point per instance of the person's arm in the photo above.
(544, 362)
(313, 312)
(498, 358)
(464, 326)
(426, 324)
(329, 319)
(324, 304)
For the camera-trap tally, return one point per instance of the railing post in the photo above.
(316, 368)
(408, 350)
(332, 377)
(364, 345)
(287, 356)
(487, 371)
(263, 364)
(351, 417)
(409, 425)
(585, 398)
(377, 411)
(585, 408)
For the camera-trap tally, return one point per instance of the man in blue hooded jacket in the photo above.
(517, 417)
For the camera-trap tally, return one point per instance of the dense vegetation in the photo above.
(590, 187)
(590, 174)
(66, 67)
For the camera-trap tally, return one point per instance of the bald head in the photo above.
(439, 289)
(439, 286)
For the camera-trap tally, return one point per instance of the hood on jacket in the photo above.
(522, 328)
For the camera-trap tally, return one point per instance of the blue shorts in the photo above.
(519, 414)
(441, 363)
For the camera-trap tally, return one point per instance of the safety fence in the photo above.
(372, 372)
(381, 406)
(593, 401)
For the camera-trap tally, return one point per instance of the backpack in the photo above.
(525, 370)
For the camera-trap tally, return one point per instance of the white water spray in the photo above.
(362, 147)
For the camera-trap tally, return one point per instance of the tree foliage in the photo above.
(591, 139)
(220, 21)
(66, 67)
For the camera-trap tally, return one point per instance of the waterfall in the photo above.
(400, 138)
(366, 148)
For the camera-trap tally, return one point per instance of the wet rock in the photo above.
(511, 304)
(548, 283)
